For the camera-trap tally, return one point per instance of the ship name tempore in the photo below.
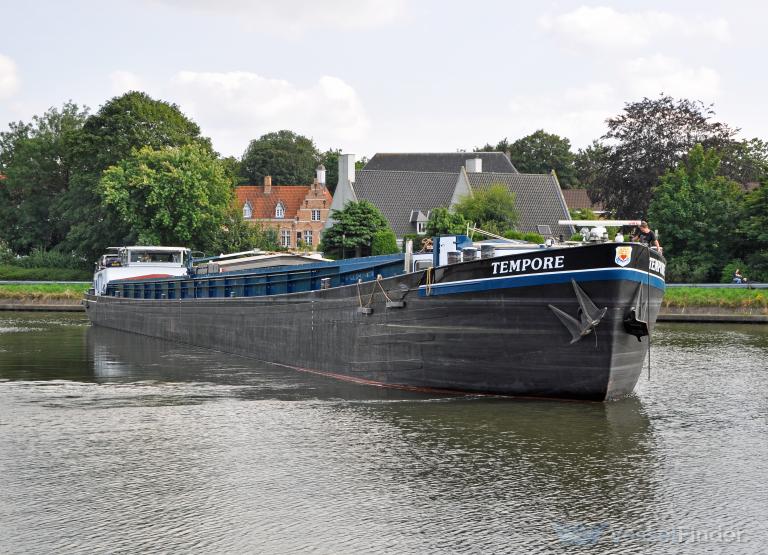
(656, 265)
(524, 264)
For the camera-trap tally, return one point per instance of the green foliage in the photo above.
(125, 123)
(753, 232)
(330, 159)
(744, 161)
(44, 291)
(6, 254)
(289, 158)
(542, 152)
(418, 240)
(354, 228)
(10, 272)
(729, 298)
(491, 208)
(36, 161)
(529, 236)
(730, 269)
(384, 242)
(591, 166)
(444, 222)
(577, 237)
(696, 209)
(173, 196)
(648, 139)
(40, 258)
(583, 214)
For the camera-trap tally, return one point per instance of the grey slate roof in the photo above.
(438, 161)
(398, 193)
(537, 196)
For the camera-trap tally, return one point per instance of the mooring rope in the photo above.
(429, 281)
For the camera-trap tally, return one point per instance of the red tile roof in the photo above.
(263, 205)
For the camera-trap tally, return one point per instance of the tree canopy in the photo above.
(696, 209)
(442, 221)
(171, 196)
(354, 227)
(541, 152)
(491, 208)
(289, 158)
(650, 137)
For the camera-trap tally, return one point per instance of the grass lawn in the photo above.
(730, 298)
(43, 292)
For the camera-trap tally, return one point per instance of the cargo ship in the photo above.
(553, 321)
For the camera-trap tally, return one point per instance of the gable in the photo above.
(263, 205)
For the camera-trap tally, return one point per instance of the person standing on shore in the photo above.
(646, 236)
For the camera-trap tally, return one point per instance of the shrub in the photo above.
(40, 258)
(11, 272)
(384, 242)
(529, 236)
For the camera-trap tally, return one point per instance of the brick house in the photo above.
(297, 212)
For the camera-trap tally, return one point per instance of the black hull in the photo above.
(502, 340)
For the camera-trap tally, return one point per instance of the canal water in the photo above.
(113, 442)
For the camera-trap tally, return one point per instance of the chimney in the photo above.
(474, 165)
(320, 172)
(347, 167)
(267, 184)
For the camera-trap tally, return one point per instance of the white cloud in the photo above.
(235, 107)
(9, 78)
(124, 81)
(279, 16)
(653, 75)
(604, 27)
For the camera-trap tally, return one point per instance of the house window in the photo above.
(247, 212)
(421, 228)
(315, 215)
(285, 238)
(308, 237)
(280, 210)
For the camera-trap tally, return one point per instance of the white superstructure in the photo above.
(139, 261)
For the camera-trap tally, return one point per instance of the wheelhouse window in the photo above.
(155, 257)
(279, 210)
(285, 238)
(315, 215)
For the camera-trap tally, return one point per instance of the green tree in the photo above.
(444, 222)
(491, 208)
(330, 159)
(645, 141)
(384, 242)
(36, 161)
(172, 196)
(354, 228)
(744, 161)
(542, 152)
(753, 232)
(126, 122)
(695, 209)
(289, 158)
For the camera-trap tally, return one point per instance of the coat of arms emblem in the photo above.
(623, 255)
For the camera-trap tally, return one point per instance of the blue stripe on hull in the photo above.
(505, 282)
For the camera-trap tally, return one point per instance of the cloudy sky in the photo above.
(372, 76)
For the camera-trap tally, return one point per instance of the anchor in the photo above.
(636, 320)
(589, 315)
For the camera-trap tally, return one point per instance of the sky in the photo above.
(369, 76)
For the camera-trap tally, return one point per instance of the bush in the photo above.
(384, 242)
(40, 258)
(10, 272)
(529, 236)
(730, 269)
(6, 254)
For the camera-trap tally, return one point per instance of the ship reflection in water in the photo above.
(145, 445)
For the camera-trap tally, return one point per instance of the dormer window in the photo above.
(247, 211)
(280, 210)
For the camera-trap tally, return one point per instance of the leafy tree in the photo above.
(36, 161)
(744, 161)
(384, 242)
(289, 158)
(753, 232)
(591, 166)
(649, 138)
(354, 228)
(330, 159)
(695, 209)
(126, 122)
(172, 196)
(492, 208)
(444, 222)
(542, 152)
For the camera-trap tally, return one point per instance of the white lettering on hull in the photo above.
(657, 266)
(525, 264)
